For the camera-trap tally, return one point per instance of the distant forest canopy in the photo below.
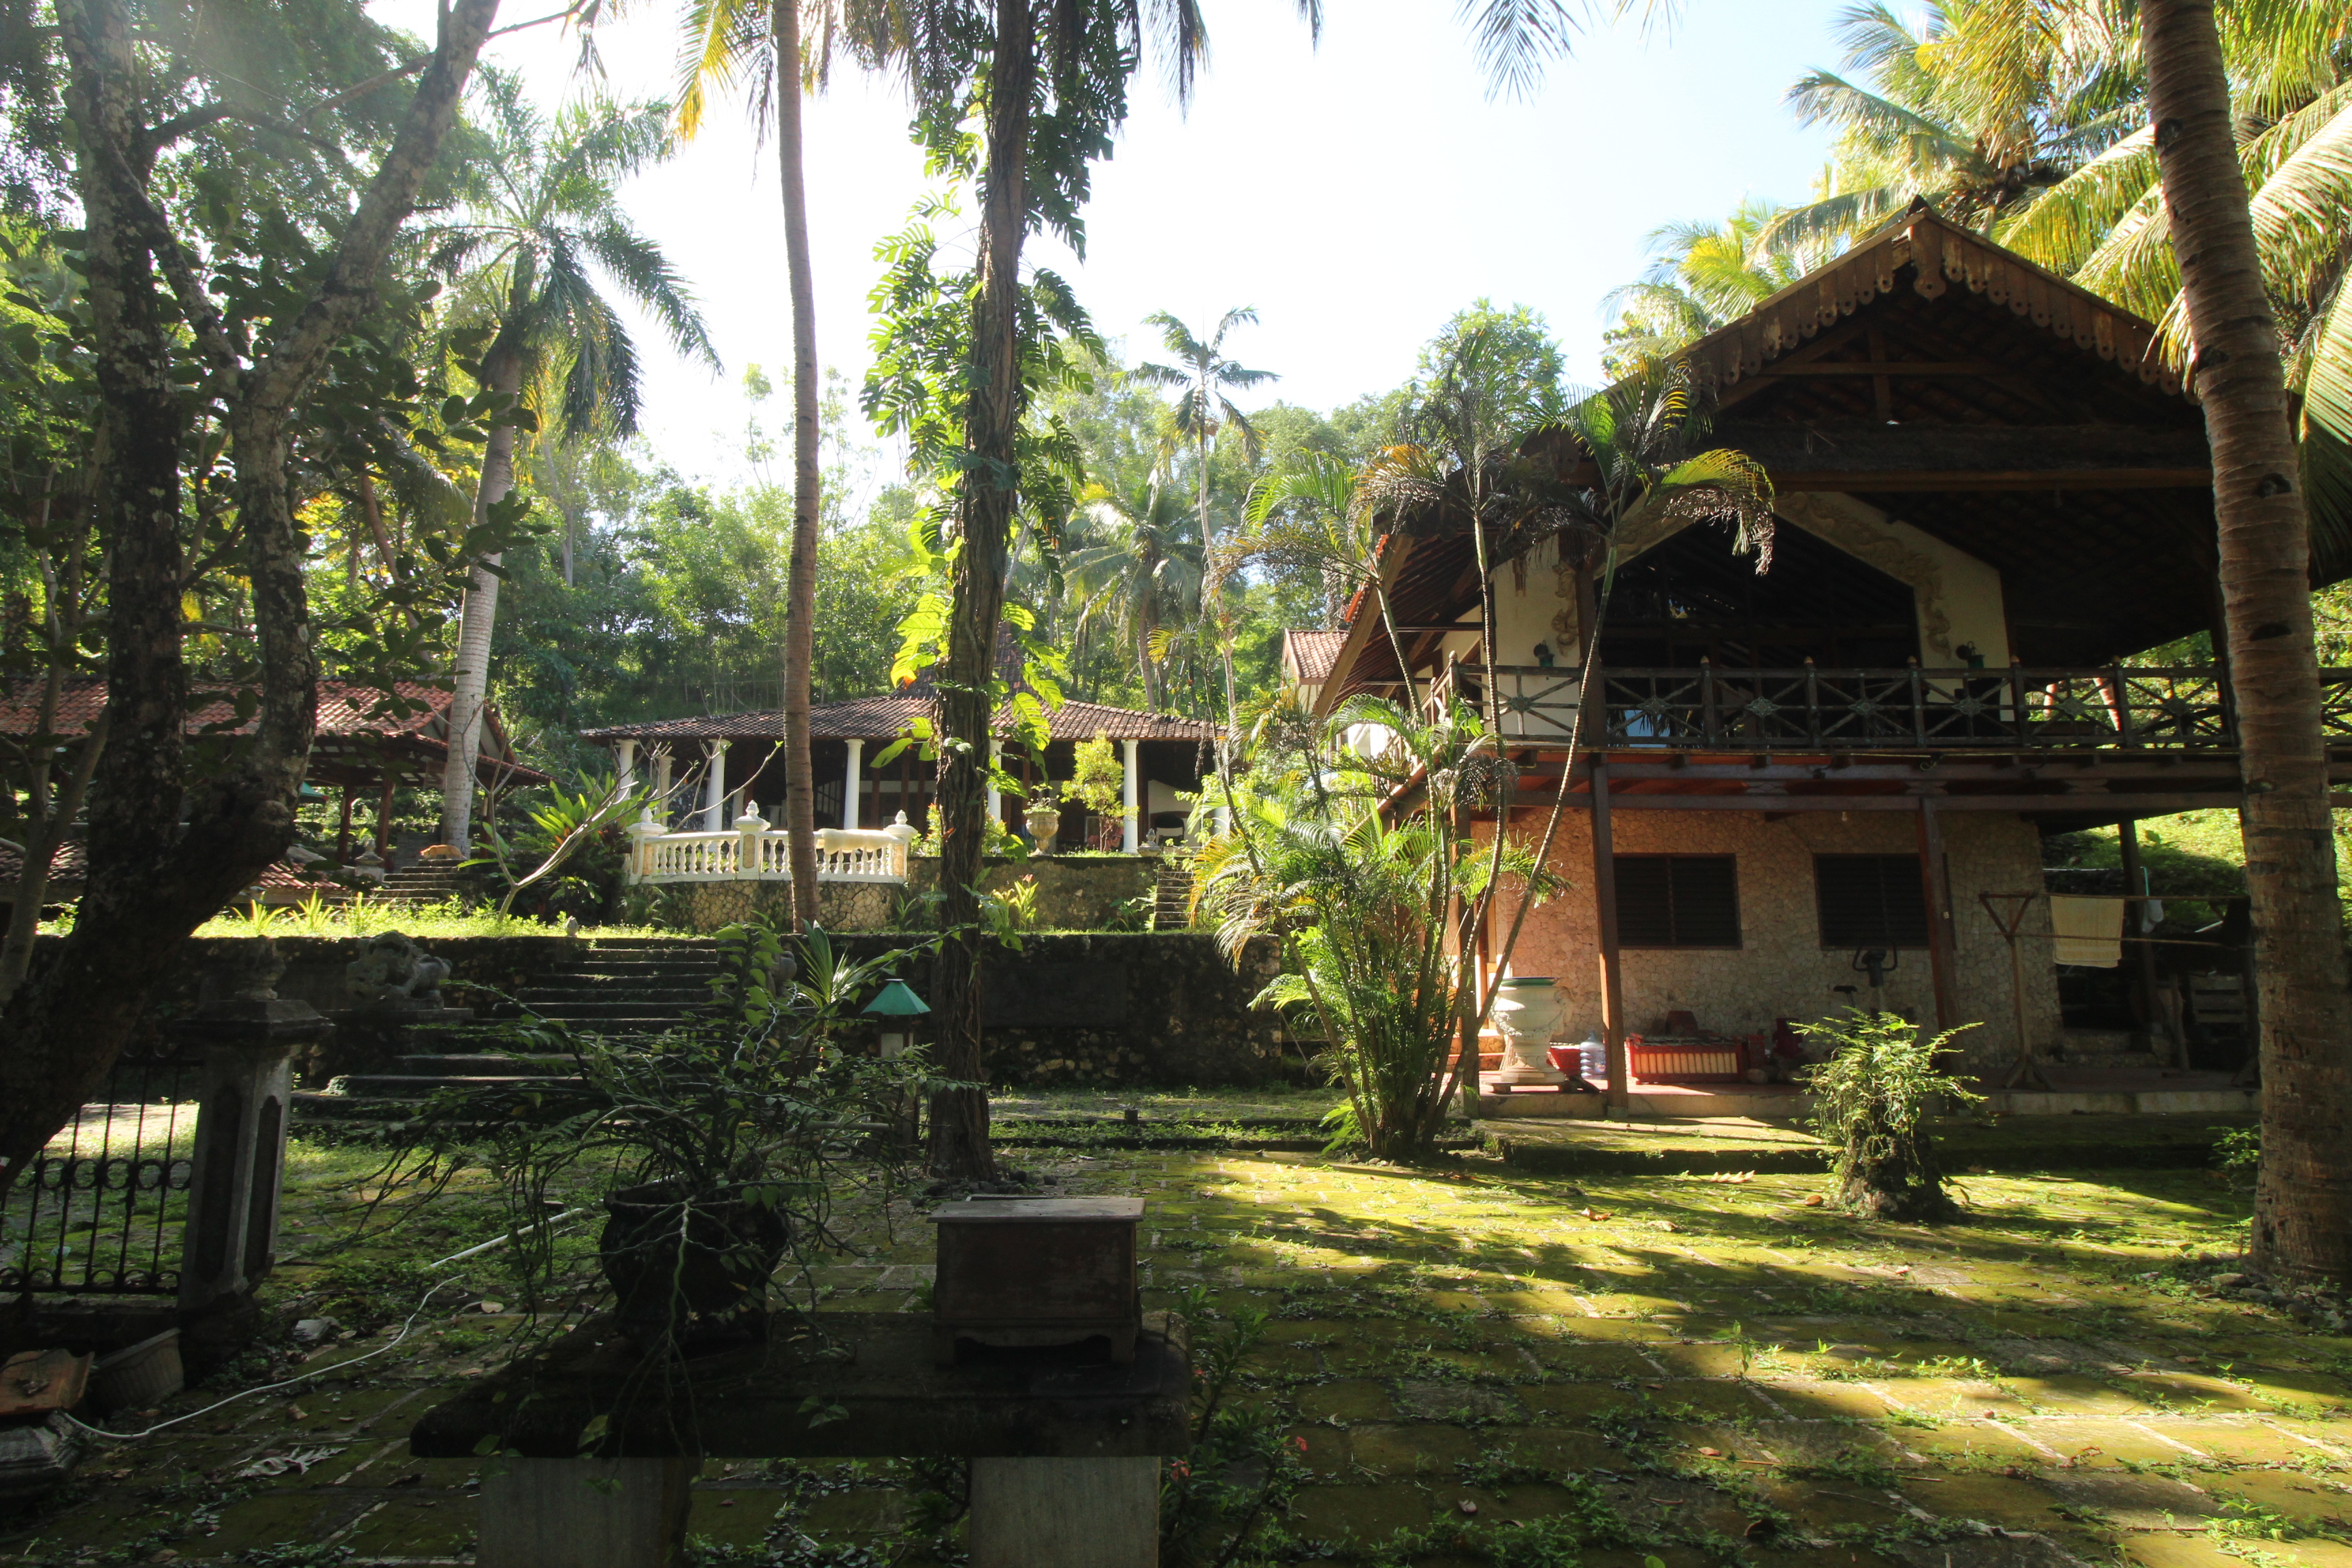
(676, 600)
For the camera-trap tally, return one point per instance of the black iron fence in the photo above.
(1813, 708)
(99, 1212)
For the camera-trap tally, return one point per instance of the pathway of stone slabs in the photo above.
(1701, 1371)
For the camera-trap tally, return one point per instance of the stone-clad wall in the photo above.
(1123, 1008)
(1087, 892)
(1110, 1008)
(1780, 969)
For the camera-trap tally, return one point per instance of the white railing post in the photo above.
(748, 830)
(642, 833)
(906, 833)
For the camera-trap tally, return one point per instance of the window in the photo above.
(1677, 900)
(1870, 900)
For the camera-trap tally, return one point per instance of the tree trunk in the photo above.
(958, 1142)
(2303, 1206)
(479, 619)
(800, 619)
(152, 879)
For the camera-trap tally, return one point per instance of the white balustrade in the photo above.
(754, 851)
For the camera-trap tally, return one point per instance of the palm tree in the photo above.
(2303, 1206)
(1701, 276)
(1147, 575)
(784, 55)
(996, 60)
(1977, 111)
(541, 223)
(2106, 226)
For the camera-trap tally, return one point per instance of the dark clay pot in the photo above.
(683, 1263)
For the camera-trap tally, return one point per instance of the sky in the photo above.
(1356, 192)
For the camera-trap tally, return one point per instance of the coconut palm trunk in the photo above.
(959, 1140)
(503, 374)
(2303, 1207)
(800, 616)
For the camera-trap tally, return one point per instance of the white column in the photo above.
(1130, 833)
(995, 796)
(625, 762)
(661, 786)
(714, 789)
(851, 783)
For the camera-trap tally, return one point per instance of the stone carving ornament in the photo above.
(393, 975)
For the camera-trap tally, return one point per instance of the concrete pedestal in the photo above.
(1065, 1514)
(249, 1036)
(585, 1513)
(1065, 1449)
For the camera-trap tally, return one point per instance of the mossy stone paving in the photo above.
(1489, 1367)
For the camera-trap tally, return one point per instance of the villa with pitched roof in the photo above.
(1828, 782)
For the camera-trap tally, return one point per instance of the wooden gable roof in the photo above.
(1955, 387)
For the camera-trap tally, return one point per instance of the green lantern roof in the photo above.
(898, 1001)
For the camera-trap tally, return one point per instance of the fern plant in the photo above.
(1871, 1101)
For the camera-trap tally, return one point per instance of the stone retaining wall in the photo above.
(1075, 893)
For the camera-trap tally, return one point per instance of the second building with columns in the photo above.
(710, 771)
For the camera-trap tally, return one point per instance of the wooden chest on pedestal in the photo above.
(1037, 1272)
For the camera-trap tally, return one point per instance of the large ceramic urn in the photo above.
(1526, 1012)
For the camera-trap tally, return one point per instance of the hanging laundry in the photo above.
(2090, 932)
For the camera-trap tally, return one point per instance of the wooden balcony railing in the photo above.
(2021, 707)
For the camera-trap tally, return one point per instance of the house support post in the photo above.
(852, 780)
(1936, 887)
(2140, 956)
(714, 789)
(661, 788)
(1130, 831)
(625, 763)
(995, 796)
(1612, 960)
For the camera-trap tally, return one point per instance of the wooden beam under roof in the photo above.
(1861, 456)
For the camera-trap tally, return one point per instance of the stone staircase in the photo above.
(625, 990)
(423, 882)
(1171, 907)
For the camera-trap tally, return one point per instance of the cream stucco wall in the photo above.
(1957, 598)
(1780, 969)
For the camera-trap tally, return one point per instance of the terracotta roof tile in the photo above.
(1312, 653)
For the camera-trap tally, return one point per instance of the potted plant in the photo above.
(1044, 817)
(720, 1145)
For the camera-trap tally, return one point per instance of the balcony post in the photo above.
(1710, 721)
(1812, 700)
(1918, 706)
(1942, 957)
(2016, 699)
(636, 867)
(1612, 965)
(2119, 697)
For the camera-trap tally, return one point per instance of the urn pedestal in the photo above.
(1526, 1013)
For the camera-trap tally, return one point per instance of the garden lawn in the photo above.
(1606, 1368)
